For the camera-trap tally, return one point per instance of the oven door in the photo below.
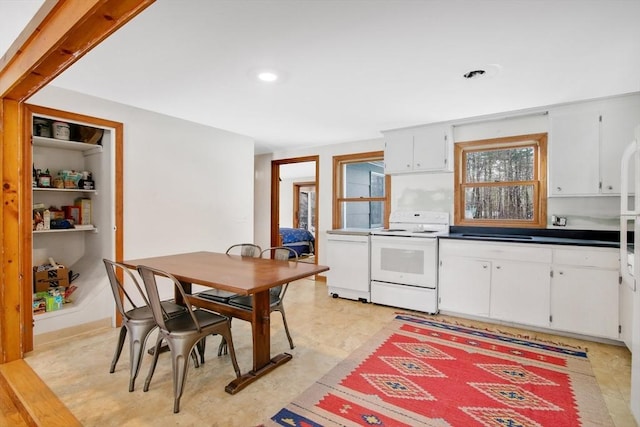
(404, 260)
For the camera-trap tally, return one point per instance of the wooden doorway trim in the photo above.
(58, 36)
(275, 196)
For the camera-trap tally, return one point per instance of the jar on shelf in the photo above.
(44, 180)
(61, 130)
(41, 127)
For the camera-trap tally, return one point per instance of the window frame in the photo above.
(539, 143)
(338, 186)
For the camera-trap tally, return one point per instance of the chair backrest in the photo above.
(281, 253)
(149, 275)
(246, 249)
(118, 289)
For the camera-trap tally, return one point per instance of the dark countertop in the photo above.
(351, 231)
(551, 236)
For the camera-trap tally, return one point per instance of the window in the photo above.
(501, 182)
(360, 191)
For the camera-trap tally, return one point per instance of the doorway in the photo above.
(295, 183)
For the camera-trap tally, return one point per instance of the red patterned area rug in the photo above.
(422, 372)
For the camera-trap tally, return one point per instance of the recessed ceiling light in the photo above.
(267, 76)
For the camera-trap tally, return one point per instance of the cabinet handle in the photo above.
(560, 273)
(408, 166)
(484, 266)
(609, 187)
(498, 267)
(559, 188)
(418, 164)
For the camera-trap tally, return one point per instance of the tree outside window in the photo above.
(501, 182)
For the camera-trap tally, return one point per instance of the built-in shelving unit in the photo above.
(90, 146)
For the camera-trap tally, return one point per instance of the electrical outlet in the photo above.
(559, 221)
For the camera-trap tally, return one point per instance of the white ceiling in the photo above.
(355, 67)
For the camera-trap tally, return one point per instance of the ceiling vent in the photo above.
(473, 74)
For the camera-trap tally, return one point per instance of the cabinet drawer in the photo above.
(591, 257)
(489, 250)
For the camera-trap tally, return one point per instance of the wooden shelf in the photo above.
(40, 141)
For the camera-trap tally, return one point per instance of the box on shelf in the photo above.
(52, 278)
(54, 302)
(50, 300)
(56, 213)
(38, 217)
(85, 210)
(90, 135)
(39, 303)
(72, 212)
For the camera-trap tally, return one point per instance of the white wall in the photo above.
(262, 208)
(286, 198)
(187, 187)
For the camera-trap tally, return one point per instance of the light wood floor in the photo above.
(325, 331)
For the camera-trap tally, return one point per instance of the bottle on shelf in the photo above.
(44, 180)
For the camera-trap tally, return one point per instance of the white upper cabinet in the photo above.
(586, 145)
(398, 151)
(573, 151)
(619, 119)
(420, 149)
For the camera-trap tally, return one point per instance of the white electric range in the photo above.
(404, 260)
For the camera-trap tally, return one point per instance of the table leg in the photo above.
(262, 361)
(178, 296)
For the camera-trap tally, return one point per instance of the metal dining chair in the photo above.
(137, 321)
(182, 332)
(242, 249)
(276, 294)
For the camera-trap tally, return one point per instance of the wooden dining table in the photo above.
(243, 276)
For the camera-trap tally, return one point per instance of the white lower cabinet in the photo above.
(464, 285)
(571, 289)
(584, 292)
(520, 292)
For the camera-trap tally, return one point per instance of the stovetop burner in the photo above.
(415, 224)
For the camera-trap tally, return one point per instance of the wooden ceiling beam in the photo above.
(60, 34)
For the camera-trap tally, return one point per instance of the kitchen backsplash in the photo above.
(434, 192)
(586, 213)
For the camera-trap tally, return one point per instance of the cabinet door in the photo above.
(619, 119)
(398, 151)
(520, 292)
(625, 305)
(574, 147)
(585, 301)
(430, 148)
(464, 285)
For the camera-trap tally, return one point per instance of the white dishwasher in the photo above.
(348, 260)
